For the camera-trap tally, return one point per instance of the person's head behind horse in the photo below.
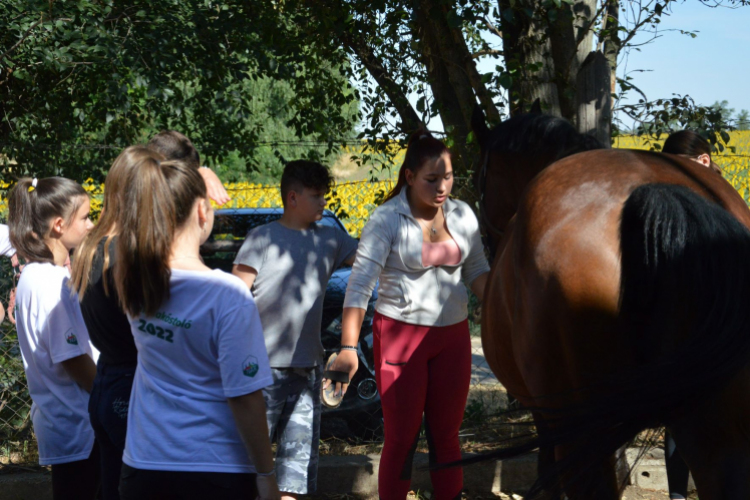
(421, 149)
(691, 145)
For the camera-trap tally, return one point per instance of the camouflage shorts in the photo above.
(293, 414)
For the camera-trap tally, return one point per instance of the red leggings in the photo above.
(421, 369)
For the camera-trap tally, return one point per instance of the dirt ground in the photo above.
(634, 493)
(631, 493)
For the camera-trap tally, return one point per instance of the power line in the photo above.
(296, 143)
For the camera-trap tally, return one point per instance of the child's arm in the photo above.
(214, 187)
(350, 261)
(249, 412)
(81, 369)
(246, 274)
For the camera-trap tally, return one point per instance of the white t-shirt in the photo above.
(203, 346)
(51, 330)
(6, 249)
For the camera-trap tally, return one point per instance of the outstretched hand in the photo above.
(348, 362)
(214, 187)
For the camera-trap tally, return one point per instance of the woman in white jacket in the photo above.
(425, 248)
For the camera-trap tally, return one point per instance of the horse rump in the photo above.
(684, 290)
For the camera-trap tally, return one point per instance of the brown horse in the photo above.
(619, 300)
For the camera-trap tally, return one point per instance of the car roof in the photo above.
(238, 221)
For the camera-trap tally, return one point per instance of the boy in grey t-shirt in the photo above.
(287, 265)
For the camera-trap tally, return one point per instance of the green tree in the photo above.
(722, 107)
(742, 120)
(76, 75)
(277, 141)
(429, 48)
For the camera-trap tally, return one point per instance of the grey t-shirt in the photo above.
(293, 270)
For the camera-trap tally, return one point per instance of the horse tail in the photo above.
(684, 290)
(479, 126)
(684, 286)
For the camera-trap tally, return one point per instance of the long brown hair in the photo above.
(159, 199)
(32, 206)
(422, 147)
(116, 184)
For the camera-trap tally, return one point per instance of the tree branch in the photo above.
(410, 120)
(494, 29)
(585, 29)
(486, 52)
(639, 25)
(23, 38)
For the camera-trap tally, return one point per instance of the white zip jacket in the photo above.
(391, 249)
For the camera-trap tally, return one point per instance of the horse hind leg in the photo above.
(545, 469)
(552, 489)
(598, 481)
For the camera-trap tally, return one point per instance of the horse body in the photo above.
(555, 329)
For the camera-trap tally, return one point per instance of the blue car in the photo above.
(359, 415)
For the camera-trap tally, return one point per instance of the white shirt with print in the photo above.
(203, 346)
(51, 330)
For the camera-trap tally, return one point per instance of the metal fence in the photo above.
(17, 445)
(359, 418)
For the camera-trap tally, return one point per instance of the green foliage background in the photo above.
(80, 80)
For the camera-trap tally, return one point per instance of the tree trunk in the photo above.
(446, 60)
(611, 45)
(546, 50)
(571, 41)
(526, 49)
(594, 100)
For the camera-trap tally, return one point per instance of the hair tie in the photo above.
(33, 184)
(423, 136)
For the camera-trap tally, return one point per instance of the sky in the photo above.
(713, 66)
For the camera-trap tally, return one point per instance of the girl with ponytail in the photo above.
(425, 249)
(48, 218)
(108, 326)
(196, 423)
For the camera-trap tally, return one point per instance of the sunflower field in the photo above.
(353, 201)
(734, 158)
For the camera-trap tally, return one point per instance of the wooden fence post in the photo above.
(594, 98)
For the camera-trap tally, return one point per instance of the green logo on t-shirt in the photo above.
(174, 320)
(71, 339)
(250, 366)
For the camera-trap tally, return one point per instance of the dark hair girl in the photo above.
(422, 246)
(694, 146)
(196, 423)
(48, 218)
(422, 147)
(690, 145)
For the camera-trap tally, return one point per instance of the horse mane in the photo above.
(540, 136)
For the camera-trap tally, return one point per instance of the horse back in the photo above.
(558, 275)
